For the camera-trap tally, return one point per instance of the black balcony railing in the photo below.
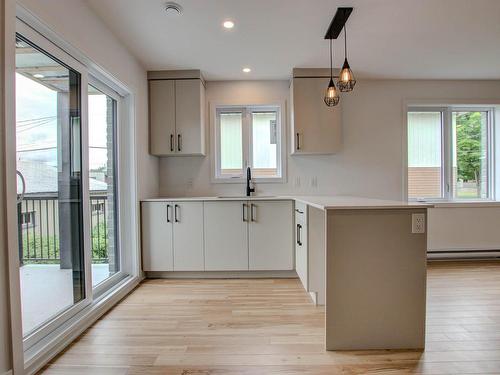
(38, 223)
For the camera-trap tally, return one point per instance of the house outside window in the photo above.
(450, 153)
(28, 219)
(248, 136)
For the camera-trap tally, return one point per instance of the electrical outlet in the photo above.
(418, 223)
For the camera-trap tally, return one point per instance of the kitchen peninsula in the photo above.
(365, 259)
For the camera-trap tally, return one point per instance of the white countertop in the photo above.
(321, 202)
(465, 204)
(348, 202)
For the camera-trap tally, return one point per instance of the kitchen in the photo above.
(256, 218)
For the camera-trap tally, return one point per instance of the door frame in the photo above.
(55, 52)
(38, 355)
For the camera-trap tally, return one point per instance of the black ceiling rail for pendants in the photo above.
(346, 78)
(338, 22)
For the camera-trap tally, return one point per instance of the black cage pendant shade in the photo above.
(332, 97)
(346, 80)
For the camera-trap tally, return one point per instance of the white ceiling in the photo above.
(448, 39)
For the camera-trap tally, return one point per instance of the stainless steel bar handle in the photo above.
(243, 209)
(176, 216)
(299, 234)
(168, 213)
(171, 142)
(252, 216)
(179, 142)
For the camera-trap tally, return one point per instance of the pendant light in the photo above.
(346, 80)
(331, 95)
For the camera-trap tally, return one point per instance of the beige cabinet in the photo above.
(248, 235)
(217, 235)
(190, 117)
(172, 236)
(301, 242)
(157, 236)
(162, 117)
(316, 128)
(176, 114)
(270, 236)
(226, 236)
(188, 236)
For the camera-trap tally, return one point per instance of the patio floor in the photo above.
(46, 290)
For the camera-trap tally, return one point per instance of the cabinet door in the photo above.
(317, 127)
(301, 249)
(188, 236)
(270, 236)
(162, 117)
(190, 117)
(157, 254)
(226, 236)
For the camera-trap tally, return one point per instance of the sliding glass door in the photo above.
(103, 109)
(50, 201)
(68, 203)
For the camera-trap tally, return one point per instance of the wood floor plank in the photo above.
(269, 326)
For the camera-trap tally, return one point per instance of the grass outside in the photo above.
(45, 249)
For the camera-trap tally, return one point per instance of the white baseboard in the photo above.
(463, 253)
(314, 297)
(221, 274)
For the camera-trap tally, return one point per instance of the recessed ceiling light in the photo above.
(247, 70)
(38, 75)
(228, 24)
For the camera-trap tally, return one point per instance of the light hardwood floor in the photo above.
(270, 327)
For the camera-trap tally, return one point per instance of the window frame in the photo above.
(30, 339)
(45, 337)
(447, 151)
(247, 142)
(105, 285)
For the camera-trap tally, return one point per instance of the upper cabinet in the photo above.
(316, 128)
(176, 113)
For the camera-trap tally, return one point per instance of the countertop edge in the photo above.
(316, 202)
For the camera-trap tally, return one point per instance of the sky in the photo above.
(36, 124)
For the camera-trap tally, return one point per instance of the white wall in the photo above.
(371, 160)
(474, 228)
(75, 22)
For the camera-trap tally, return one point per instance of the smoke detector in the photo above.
(173, 9)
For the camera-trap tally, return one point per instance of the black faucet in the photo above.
(249, 177)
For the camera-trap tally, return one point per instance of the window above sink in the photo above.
(247, 136)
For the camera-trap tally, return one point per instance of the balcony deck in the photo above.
(47, 290)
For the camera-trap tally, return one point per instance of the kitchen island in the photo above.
(375, 272)
(365, 259)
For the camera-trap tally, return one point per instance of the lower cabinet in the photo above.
(301, 242)
(270, 236)
(188, 236)
(217, 236)
(172, 236)
(226, 236)
(157, 237)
